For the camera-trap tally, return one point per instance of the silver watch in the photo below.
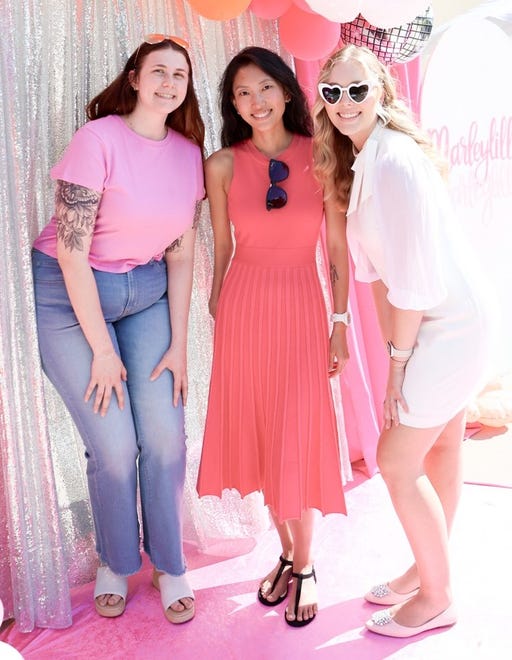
(342, 318)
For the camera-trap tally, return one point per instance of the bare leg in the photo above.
(401, 455)
(443, 467)
(280, 588)
(302, 534)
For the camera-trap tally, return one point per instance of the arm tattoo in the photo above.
(76, 209)
(176, 245)
(334, 275)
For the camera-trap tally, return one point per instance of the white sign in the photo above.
(466, 105)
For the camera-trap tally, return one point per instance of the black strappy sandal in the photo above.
(300, 578)
(270, 603)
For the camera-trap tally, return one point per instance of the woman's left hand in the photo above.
(338, 351)
(176, 362)
(394, 394)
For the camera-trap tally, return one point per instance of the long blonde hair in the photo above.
(333, 153)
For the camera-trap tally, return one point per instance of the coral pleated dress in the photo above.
(270, 424)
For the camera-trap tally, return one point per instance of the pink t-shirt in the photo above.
(148, 191)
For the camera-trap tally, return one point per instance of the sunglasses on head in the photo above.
(158, 38)
(153, 39)
(356, 92)
(276, 196)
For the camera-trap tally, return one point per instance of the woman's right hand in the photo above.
(107, 374)
(394, 395)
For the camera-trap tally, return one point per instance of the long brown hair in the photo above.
(119, 98)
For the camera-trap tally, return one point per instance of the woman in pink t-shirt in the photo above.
(113, 278)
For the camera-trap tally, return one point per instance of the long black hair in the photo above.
(296, 116)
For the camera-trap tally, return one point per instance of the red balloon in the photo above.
(269, 8)
(221, 10)
(308, 36)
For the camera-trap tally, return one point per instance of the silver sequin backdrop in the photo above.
(55, 55)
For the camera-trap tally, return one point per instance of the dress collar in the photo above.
(363, 168)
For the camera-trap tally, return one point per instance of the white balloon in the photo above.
(339, 11)
(392, 13)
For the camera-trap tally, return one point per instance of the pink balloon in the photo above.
(302, 4)
(308, 36)
(269, 8)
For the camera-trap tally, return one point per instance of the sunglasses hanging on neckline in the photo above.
(276, 196)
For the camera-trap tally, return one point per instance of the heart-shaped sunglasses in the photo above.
(356, 92)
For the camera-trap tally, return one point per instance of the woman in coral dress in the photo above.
(271, 425)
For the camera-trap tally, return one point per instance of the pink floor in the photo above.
(351, 554)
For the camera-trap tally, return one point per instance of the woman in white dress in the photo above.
(371, 155)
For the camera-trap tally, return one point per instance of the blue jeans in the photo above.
(147, 437)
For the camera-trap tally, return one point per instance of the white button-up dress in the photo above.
(401, 229)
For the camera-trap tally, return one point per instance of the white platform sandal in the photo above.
(108, 582)
(172, 589)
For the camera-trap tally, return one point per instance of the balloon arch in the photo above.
(310, 29)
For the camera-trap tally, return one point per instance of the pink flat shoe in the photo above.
(382, 594)
(383, 623)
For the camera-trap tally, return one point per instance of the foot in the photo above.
(407, 582)
(418, 610)
(303, 602)
(396, 591)
(383, 594)
(274, 587)
(108, 600)
(110, 592)
(182, 605)
(176, 595)
(384, 622)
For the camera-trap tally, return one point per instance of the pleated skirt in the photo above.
(270, 424)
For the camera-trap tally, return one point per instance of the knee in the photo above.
(390, 466)
(168, 449)
(112, 459)
(386, 465)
